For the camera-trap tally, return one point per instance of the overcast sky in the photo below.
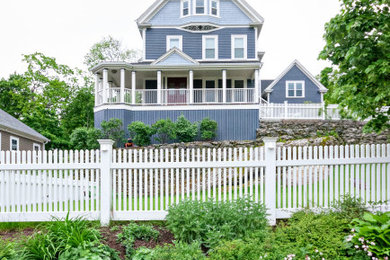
(66, 30)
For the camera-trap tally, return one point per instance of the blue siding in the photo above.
(175, 59)
(192, 42)
(230, 14)
(312, 93)
(233, 124)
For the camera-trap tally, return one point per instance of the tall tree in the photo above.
(109, 49)
(358, 45)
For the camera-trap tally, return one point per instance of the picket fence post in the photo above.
(270, 178)
(105, 181)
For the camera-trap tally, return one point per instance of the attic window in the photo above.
(199, 7)
(214, 7)
(185, 7)
(295, 89)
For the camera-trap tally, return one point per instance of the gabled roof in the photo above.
(301, 68)
(158, 4)
(172, 52)
(10, 123)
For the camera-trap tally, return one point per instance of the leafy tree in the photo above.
(113, 129)
(358, 45)
(85, 138)
(165, 130)
(208, 129)
(109, 49)
(140, 133)
(185, 130)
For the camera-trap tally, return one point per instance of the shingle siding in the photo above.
(312, 93)
(233, 124)
(192, 42)
(230, 14)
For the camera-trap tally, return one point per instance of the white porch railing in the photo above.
(299, 111)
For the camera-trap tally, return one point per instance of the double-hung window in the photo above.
(214, 7)
(174, 41)
(14, 143)
(295, 89)
(210, 47)
(239, 46)
(185, 6)
(200, 6)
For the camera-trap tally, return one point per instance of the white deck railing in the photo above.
(299, 111)
(142, 184)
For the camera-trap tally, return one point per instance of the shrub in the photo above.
(88, 251)
(210, 222)
(165, 130)
(7, 250)
(112, 129)
(140, 133)
(185, 130)
(371, 234)
(208, 129)
(85, 138)
(133, 232)
(169, 252)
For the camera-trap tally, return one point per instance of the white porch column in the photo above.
(122, 86)
(133, 85)
(97, 89)
(224, 86)
(105, 85)
(159, 87)
(257, 80)
(191, 86)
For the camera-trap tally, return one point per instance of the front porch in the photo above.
(166, 87)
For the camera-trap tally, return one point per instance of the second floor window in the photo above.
(295, 89)
(199, 7)
(210, 47)
(214, 7)
(174, 41)
(185, 7)
(239, 46)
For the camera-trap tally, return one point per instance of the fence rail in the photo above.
(142, 184)
(299, 111)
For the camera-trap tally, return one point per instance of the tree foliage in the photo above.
(109, 49)
(85, 138)
(113, 129)
(358, 45)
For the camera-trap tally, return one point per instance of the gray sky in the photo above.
(66, 30)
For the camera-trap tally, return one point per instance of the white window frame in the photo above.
(36, 145)
(13, 138)
(204, 7)
(295, 88)
(182, 8)
(245, 37)
(204, 38)
(170, 37)
(211, 8)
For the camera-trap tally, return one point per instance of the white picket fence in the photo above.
(141, 184)
(299, 111)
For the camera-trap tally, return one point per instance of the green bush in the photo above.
(133, 232)
(371, 235)
(185, 130)
(170, 252)
(90, 251)
(140, 133)
(208, 129)
(211, 222)
(112, 129)
(165, 130)
(85, 138)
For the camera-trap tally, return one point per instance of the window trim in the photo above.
(245, 37)
(170, 37)
(204, 8)
(36, 145)
(12, 138)
(182, 8)
(295, 88)
(211, 8)
(204, 38)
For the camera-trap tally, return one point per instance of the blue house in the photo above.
(200, 59)
(295, 85)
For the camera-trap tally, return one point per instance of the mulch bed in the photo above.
(16, 234)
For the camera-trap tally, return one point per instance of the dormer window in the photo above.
(214, 6)
(200, 7)
(185, 7)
